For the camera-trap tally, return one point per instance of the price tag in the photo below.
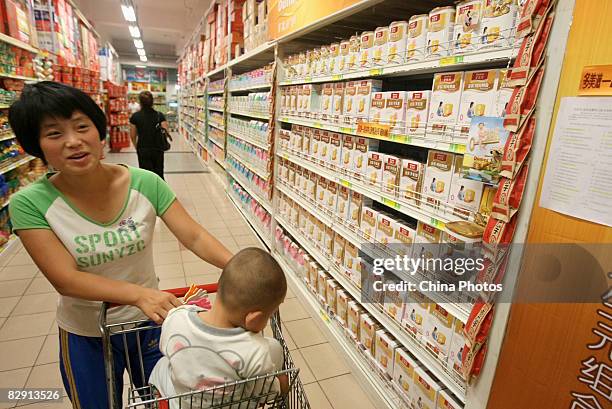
(324, 315)
(346, 183)
(376, 71)
(457, 59)
(437, 223)
(457, 148)
(344, 129)
(390, 203)
(399, 138)
(336, 77)
(285, 156)
(308, 79)
(317, 125)
(371, 130)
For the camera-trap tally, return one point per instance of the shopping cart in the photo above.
(257, 392)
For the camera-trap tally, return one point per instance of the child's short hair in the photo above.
(50, 99)
(252, 280)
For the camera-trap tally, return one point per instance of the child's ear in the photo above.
(255, 321)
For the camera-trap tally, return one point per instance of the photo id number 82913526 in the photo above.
(31, 395)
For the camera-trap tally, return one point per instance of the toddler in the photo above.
(203, 349)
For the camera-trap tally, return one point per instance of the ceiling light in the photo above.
(141, 51)
(128, 13)
(134, 31)
(143, 58)
(138, 43)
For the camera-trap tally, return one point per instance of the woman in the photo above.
(146, 136)
(89, 228)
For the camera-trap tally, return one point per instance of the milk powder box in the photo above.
(440, 31)
(416, 313)
(335, 146)
(300, 101)
(384, 352)
(447, 401)
(374, 170)
(328, 242)
(306, 140)
(465, 194)
(315, 144)
(327, 102)
(395, 111)
(444, 105)
(339, 244)
(394, 304)
(404, 237)
(411, 181)
(384, 229)
(455, 354)
(425, 391)
(354, 51)
(504, 92)
(391, 174)
(427, 242)
(360, 158)
(355, 208)
(417, 37)
(468, 17)
(349, 101)
(367, 333)
(324, 148)
(311, 94)
(366, 46)
(477, 99)
(498, 23)
(369, 218)
(312, 186)
(353, 319)
(342, 59)
(403, 372)
(283, 99)
(293, 101)
(337, 102)
(380, 50)
(331, 289)
(363, 98)
(334, 52)
(321, 191)
(351, 257)
(398, 40)
(439, 331)
(438, 177)
(324, 60)
(342, 201)
(348, 151)
(332, 195)
(377, 107)
(322, 285)
(342, 300)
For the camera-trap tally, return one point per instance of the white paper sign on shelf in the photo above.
(578, 180)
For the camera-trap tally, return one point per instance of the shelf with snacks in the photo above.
(253, 213)
(9, 164)
(257, 159)
(216, 125)
(253, 104)
(216, 92)
(5, 136)
(4, 38)
(257, 115)
(216, 109)
(255, 168)
(250, 139)
(233, 171)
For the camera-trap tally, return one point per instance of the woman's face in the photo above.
(71, 145)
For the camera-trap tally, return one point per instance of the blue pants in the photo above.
(83, 370)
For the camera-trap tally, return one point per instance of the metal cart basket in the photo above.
(257, 392)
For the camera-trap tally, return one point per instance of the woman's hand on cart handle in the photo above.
(156, 304)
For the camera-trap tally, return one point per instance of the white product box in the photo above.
(351, 257)
(391, 174)
(324, 60)
(439, 331)
(367, 333)
(366, 46)
(504, 92)
(311, 94)
(327, 102)
(335, 153)
(444, 105)
(427, 242)
(283, 100)
(312, 227)
(293, 93)
(353, 319)
(360, 159)
(306, 140)
(301, 103)
(374, 170)
(377, 107)
(337, 104)
(324, 148)
(398, 40)
(465, 194)
(355, 208)
(416, 314)
(354, 51)
(440, 31)
(343, 57)
(339, 245)
(342, 201)
(403, 372)
(380, 50)
(498, 23)
(457, 344)
(394, 305)
(334, 52)
(384, 352)
(332, 195)
(322, 278)
(404, 237)
(447, 401)
(384, 229)
(342, 300)
(438, 177)
(348, 151)
(411, 181)
(330, 294)
(417, 111)
(477, 99)
(369, 218)
(303, 220)
(417, 37)
(425, 391)
(315, 144)
(312, 186)
(466, 33)
(395, 111)
(328, 241)
(321, 190)
(363, 98)
(349, 101)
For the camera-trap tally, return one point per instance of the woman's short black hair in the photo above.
(146, 99)
(50, 99)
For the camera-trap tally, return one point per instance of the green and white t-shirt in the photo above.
(121, 249)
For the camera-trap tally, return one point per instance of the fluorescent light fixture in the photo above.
(134, 31)
(141, 66)
(138, 43)
(128, 13)
(143, 58)
(141, 51)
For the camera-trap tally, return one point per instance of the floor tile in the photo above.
(288, 340)
(25, 326)
(166, 247)
(167, 258)
(21, 259)
(19, 353)
(36, 303)
(305, 373)
(54, 329)
(316, 397)
(305, 332)
(7, 304)
(290, 293)
(324, 361)
(50, 351)
(40, 285)
(170, 283)
(219, 233)
(14, 379)
(170, 270)
(345, 392)
(64, 404)
(199, 268)
(18, 272)
(291, 310)
(45, 376)
(202, 279)
(188, 256)
(14, 288)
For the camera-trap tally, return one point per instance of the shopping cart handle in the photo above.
(180, 292)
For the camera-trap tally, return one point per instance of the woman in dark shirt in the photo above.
(146, 137)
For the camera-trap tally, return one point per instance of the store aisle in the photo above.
(28, 332)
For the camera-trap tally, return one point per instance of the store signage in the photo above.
(596, 80)
(372, 130)
(288, 16)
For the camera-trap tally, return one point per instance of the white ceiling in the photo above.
(166, 25)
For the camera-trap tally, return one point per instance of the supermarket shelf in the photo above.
(325, 218)
(251, 114)
(400, 334)
(215, 109)
(255, 58)
(18, 77)
(13, 239)
(387, 199)
(17, 43)
(8, 136)
(216, 71)
(216, 142)
(15, 165)
(352, 130)
(266, 239)
(215, 92)
(214, 125)
(248, 139)
(4, 106)
(381, 392)
(264, 203)
(219, 162)
(458, 62)
(259, 172)
(252, 88)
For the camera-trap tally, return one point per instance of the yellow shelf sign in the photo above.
(596, 80)
(372, 130)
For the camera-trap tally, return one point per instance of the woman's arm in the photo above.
(133, 134)
(60, 268)
(195, 237)
(164, 124)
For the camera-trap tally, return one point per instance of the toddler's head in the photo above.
(251, 287)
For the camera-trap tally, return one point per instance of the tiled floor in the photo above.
(28, 333)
